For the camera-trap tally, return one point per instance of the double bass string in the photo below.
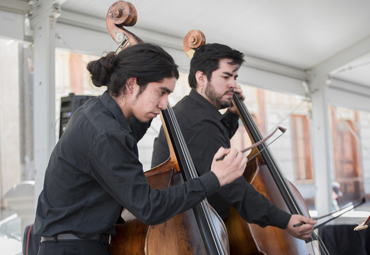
(267, 154)
(194, 174)
(191, 166)
(182, 144)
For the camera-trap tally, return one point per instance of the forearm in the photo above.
(253, 206)
(157, 206)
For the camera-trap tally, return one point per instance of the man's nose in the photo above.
(163, 103)
(232, 84)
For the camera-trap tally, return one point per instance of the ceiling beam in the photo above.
(96, 24)
(342, 98)
(350, 87)
(275, 68)
(43, 8)
(269, 80)
(20, 7)
(342, 58)
(12, 25)
(83, 21)
(350, 95)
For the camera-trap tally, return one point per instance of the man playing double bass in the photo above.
(94, 169)
(213, 72)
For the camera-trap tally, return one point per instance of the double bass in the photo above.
(196, 231)
(263, 172)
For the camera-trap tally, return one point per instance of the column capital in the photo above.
(320, 83)
(47, 9)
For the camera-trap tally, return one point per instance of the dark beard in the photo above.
(216, 98)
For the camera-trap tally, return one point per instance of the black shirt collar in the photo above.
(113, 107)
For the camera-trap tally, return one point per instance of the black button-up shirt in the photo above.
(205, 130)
(94, 171)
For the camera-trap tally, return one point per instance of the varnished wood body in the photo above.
(248, 238)
(179, 235)
(175, 236)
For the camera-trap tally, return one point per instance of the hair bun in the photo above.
(107, 62)
(102, 69)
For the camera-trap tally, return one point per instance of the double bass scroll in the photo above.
(122, 14)
(193, 40)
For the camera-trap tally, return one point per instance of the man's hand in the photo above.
(230, 167)
(238, 90)
(305, 228)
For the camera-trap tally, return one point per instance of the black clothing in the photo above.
(342, 240)
(94, 171)
(205, 130)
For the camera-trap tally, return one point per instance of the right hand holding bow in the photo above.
(231, 167)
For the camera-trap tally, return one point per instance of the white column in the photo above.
(44, 89)
(321, 145)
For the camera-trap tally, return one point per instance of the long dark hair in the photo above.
(207, 58)
(144, 61)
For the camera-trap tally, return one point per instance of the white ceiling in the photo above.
(300, 34)
(305, 35)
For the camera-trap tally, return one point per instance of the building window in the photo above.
(347, 155)
(301, 148)
(241, 139)
(346, 148)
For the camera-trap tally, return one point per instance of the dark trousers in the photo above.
(77, 247)
(342, 240)
(31, 243)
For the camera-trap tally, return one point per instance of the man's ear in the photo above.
(130, 84)
(201, 78)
